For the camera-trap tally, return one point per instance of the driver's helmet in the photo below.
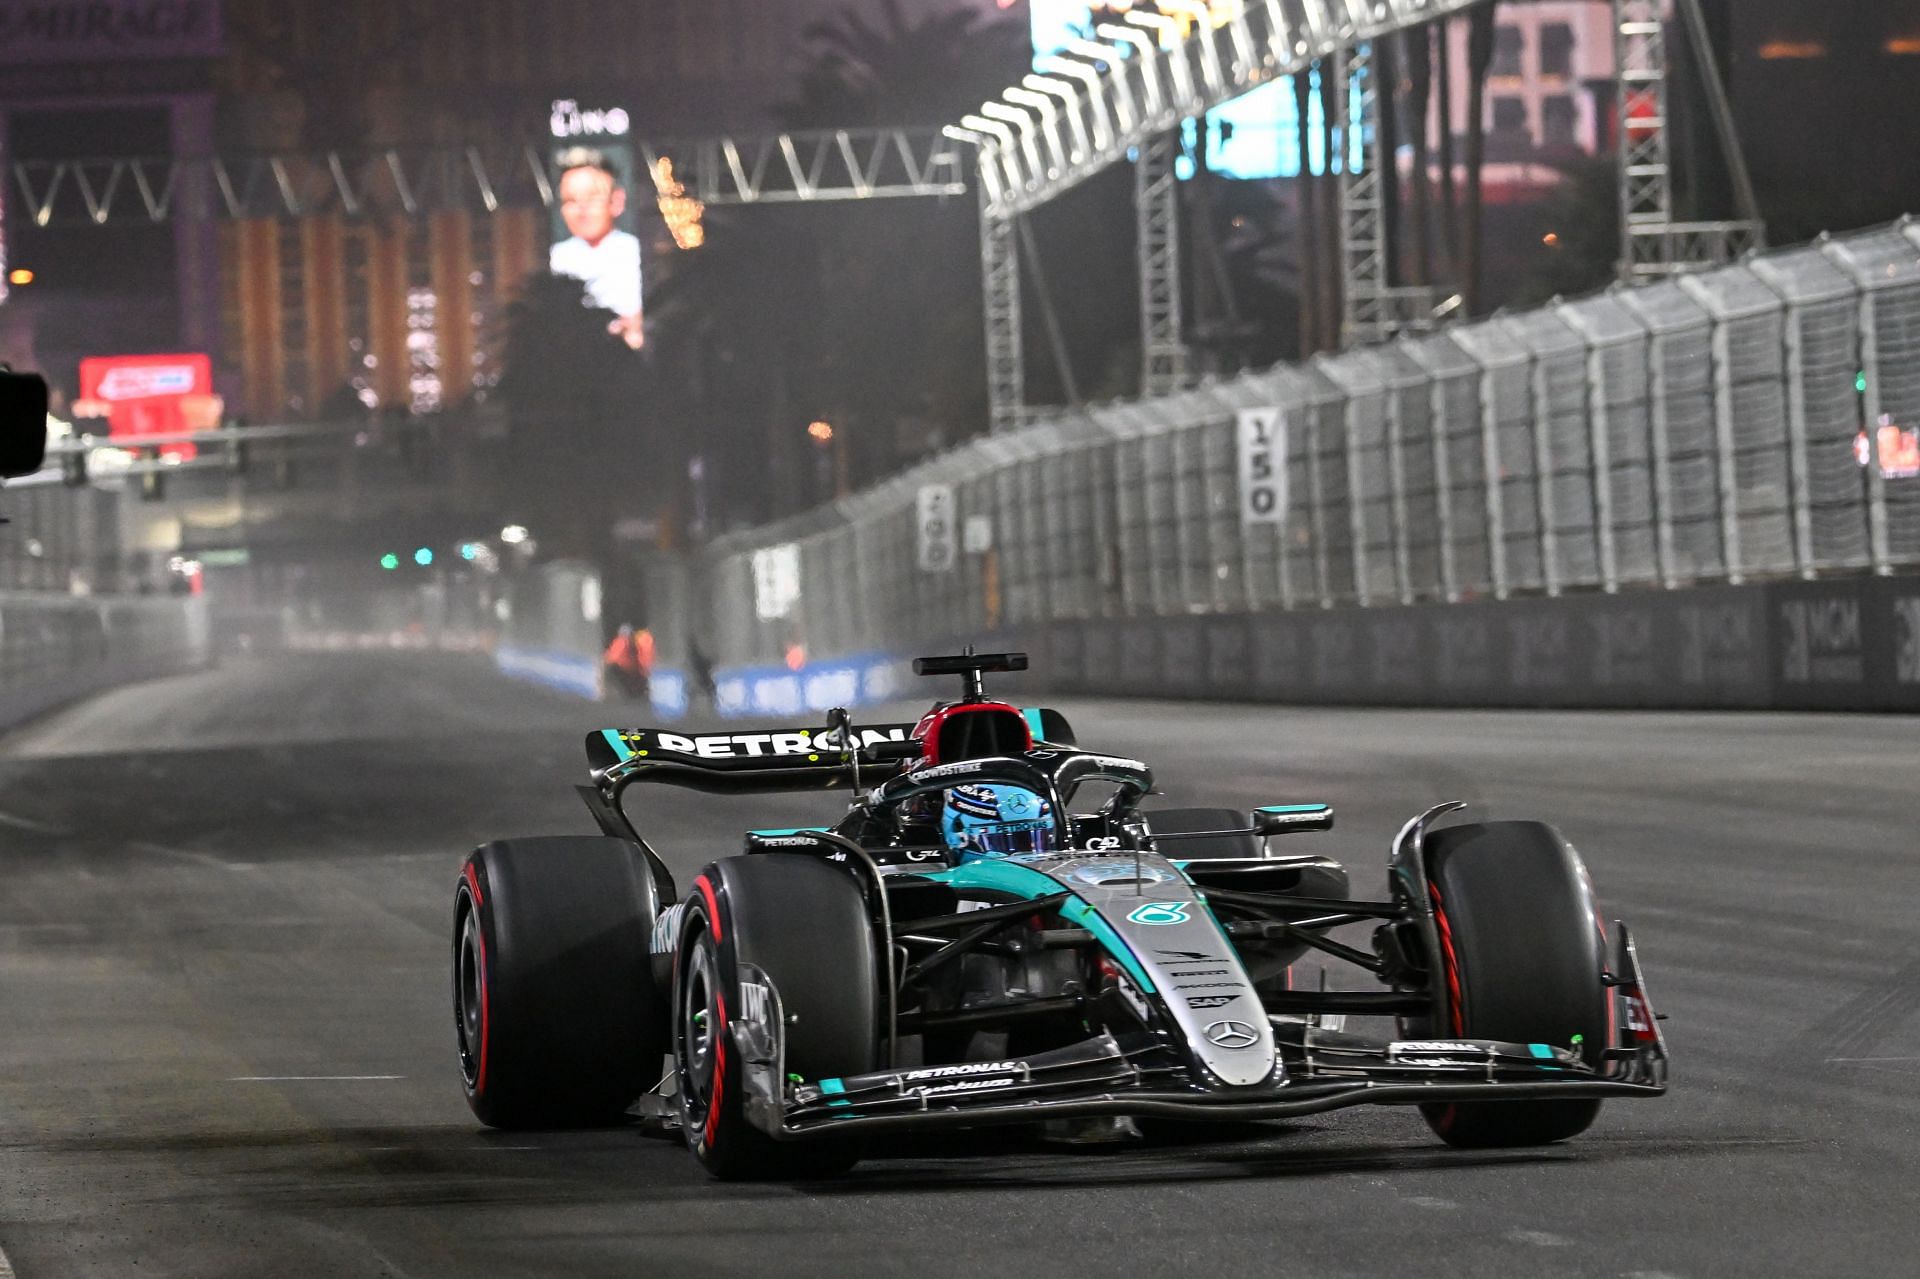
(996, 821)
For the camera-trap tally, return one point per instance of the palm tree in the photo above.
(1480, 29)
(902, 71)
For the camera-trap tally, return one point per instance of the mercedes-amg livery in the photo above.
(999, 932)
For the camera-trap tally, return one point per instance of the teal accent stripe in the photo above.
(1024, 881)
(832, 1087)
(1291, 808)
(1542, 1050)
(1032, 716)
(788, 830)
(621, 750)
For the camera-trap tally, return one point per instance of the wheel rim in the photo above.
(469, 983)
(698, 1033)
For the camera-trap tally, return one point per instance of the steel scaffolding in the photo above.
(1156, 194)
(1000, 284)
(1654, 243)
(785, 168)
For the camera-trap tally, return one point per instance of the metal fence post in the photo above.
(1657, 455)
(1317, 512)
(1724, 471)
(1397, 499)
(1543, 503)
(1490, 467)
(1879, 544)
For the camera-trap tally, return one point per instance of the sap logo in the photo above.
(1210, 1001)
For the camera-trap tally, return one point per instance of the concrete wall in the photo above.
(58, 648)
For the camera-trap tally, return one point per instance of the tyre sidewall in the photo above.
(803, 923)
(573, 1028)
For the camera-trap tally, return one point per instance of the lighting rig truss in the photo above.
(786, 168)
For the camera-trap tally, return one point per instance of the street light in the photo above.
(1049, 120)
(820, 433)
(1144, 45)
(1169, 32)
(1003, 146)
(1200, 15)
(1107, 56)
(1024, 123)
(424, 556)
(513, 534)
(1055, 72)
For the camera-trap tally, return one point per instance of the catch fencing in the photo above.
(1711, 429)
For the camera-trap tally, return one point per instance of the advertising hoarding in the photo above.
(595, 220)
(149, 395)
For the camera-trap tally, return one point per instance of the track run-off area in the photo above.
(226, 1043)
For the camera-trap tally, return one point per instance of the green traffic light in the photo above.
(1860, 382)
(423, 556)
(389, 561)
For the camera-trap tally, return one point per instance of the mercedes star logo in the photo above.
(1232, 1034)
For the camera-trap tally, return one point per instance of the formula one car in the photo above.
(998, 933)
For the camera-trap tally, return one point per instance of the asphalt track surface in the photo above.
(225, 1045)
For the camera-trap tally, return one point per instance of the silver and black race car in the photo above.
(836, 982)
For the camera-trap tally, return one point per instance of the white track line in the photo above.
(6, 1267)
(302, 1079)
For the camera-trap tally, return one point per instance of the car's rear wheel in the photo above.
(1523, 959)
(803, 923)
(557, 1018)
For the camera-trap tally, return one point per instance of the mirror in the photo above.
(1289, 819)
(23, 423)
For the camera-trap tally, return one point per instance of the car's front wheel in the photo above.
(1523, 960)
(803, 923)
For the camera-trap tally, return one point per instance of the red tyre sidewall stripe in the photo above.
(486, 980)
(1453, 965)
(718, 1096)
(1445, 1121)
(713, 905)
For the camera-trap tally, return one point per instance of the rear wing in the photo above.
(774, 759)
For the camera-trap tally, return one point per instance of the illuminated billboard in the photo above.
(150, 395)
(594, 238)
(1256, 135)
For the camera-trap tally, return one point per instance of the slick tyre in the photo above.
(1523, 957)
(557, 1018)
(802, 922)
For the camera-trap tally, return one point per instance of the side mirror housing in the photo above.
(23, 422)
(1291, 819)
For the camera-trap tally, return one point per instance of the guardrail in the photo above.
(1705, 430)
